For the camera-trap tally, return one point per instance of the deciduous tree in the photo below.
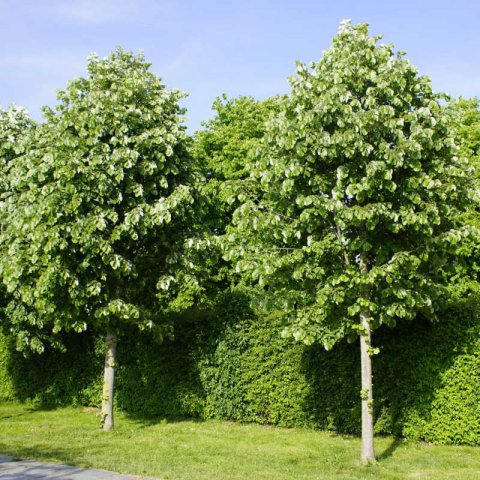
(99, 211)
(223, 149)
(361, 192)
(15, 126)
(225, 146)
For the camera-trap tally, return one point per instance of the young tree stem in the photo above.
(108, 381)
(368, 452)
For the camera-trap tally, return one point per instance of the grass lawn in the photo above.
(190, 449)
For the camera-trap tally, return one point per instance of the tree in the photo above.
(467, 116)
(15, 125)
(222, 150)
(100, 209)
(357, 224)
(224, 147)
(466, 121)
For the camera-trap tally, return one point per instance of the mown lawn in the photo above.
(190, 449)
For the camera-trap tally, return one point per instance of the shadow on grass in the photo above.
(29, 410)
(44, 454)
(390, 450)
(144, 421)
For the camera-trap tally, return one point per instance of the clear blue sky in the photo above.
(238, 47)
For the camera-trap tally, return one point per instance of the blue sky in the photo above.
(238, 47)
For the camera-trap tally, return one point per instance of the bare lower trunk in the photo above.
(368, 453)
(108, 381)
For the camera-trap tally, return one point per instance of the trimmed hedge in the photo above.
(53, 378)
(234, 365)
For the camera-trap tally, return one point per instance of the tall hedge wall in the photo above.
(234, 365)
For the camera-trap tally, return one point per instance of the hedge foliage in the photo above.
(233, 364)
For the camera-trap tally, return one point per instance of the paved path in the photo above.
(33, 470)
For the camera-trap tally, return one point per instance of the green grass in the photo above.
(189, 449)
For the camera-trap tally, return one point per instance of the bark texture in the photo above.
(108, 381)
(368, 452)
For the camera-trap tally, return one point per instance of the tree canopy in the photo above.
(360, 159)
(224, 148)
(99, 208)
(14, 125)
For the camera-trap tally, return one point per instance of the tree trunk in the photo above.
(108, 381)
(368, 453)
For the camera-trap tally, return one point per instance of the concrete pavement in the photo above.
(33, 470)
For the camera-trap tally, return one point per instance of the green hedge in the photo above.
(53, 378)
(234, 365)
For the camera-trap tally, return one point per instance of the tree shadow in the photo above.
(67, 455)
(390, 450)
(145, 421)
(29, 410)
